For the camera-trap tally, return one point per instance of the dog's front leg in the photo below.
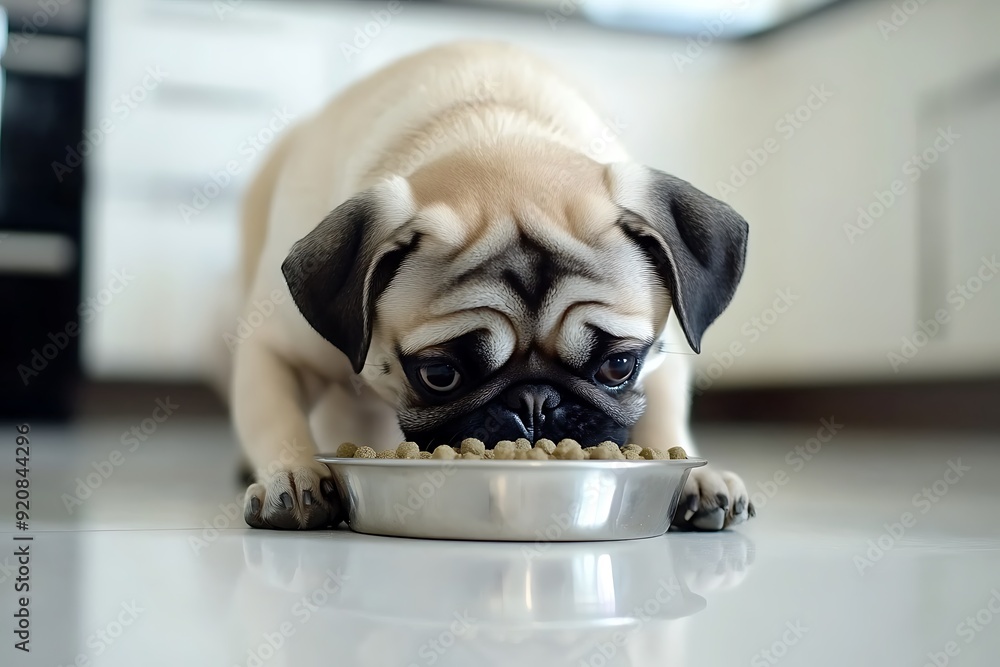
(712, 499)
(291, 490)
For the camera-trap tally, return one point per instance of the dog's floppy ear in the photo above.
(338, 271)
(697, 243)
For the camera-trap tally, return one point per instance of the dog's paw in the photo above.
(712, 500)
(295, 498)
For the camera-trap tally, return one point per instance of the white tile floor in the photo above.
(138, 576)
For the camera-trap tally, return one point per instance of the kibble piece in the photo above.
(504, 450)
(605, 451)
(408, 450)
(651, 454)
(472, 456)
(365, 453)
(568, 450)
(632, 447)
(446, 452)
(347, 449)
(473, 446)
(522, 443)
(677, 453)
(600, 453)
(488, 454)
(546, 445)
(387, 454)
(424, 455)
(631, 455)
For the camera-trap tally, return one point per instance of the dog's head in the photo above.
(516, 293)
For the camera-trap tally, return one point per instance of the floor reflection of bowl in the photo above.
(372, 601)
(533, 501)
(518, 587)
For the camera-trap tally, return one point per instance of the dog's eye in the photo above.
(616, 370)
(440, 377)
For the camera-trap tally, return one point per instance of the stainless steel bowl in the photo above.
(524, 501)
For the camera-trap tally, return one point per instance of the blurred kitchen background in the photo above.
(859, 138)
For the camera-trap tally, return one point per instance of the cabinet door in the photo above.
(960, 235)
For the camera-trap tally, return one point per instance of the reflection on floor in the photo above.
(868, 549)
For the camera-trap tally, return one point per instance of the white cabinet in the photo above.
(864, 280)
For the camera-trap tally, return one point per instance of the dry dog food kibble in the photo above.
(546, 445)
(473, 446)
(445, 452)
(520, 450)
(408, 450)
(347, 450)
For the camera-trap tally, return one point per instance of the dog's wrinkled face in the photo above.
(516, 293)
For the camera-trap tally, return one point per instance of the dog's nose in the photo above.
(531, 402)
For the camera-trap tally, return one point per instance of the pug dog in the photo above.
(457, 246)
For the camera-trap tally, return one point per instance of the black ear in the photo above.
(697, 243)
(338, 271)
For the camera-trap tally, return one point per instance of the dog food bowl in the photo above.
(523, 501)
